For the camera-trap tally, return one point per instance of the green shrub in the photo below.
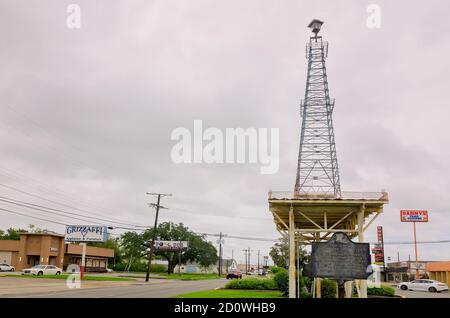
(305, 282)
(276, 269)
(328, 288)
(139, 267)
(305, 295)
(281, 280)
(381, 291)
(252, 283)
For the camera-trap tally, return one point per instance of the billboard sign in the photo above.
(419, 266)
(380, 233)
(377, 251)
(170, 246)
(86, 233)
(414, 216)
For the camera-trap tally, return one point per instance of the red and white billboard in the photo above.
(414, 216)
(380, 233)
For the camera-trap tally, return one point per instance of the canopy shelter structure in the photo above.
(307, 218)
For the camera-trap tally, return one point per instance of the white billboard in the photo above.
(419, 266)
(170, 246)
(86, 233)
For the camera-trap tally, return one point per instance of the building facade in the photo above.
(51, 249)
(439, 271)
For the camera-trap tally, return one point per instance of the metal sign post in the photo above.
(414, 216)
(83, 260)
(415, 251)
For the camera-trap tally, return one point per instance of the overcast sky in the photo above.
(86, 114)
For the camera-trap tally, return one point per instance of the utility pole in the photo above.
(246, 258)
(157, 206)
(249, 260)
(258, 261)
(220, 254)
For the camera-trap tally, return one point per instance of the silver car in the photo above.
(6, 268)
(423, 285)
(39, 270)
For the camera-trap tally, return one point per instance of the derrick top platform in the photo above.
(324, 212)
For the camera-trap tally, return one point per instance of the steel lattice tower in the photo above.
(317, 170)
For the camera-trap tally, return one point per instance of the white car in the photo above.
(6, 268)
(424, 285)
(42, 270)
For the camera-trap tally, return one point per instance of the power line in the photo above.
(61, 204)
(34, 217)
(40, 186)
(55, 211)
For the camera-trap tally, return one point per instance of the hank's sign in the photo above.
(86, 233)
(414, 216)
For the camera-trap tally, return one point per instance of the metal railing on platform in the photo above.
(345, 195)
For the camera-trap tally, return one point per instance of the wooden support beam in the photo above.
(348, 289)
(317, 225)
(291, 253)
(362, 282)
(373, 219)
(323, 230)
(342, 219)
(280, 220)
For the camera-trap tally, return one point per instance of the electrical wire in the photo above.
(63, 204)
(55, 211)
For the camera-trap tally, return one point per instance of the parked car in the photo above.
(42, 270)
(235, 274)
(109, 270)
(6, 268)
(423, 285)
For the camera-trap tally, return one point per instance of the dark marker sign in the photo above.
(340, 259)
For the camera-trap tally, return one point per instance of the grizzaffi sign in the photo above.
(86, 233)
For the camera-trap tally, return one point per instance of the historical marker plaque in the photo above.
(340, 259)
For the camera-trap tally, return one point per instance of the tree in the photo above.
(112, 243)
(199, 250)
(133, 247)
(34, 229)
(11, 234)
(280, 253)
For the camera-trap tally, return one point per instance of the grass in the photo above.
(187, 276)
(86, 277)
(233, 293)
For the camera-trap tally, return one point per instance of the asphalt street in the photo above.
(156, 288)
(421, 294)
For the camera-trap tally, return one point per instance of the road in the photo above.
(156, 288)
(421, 294)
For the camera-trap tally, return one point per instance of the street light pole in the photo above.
(155, 227)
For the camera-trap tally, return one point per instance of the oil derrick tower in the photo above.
(317, 168)
(317, 208)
